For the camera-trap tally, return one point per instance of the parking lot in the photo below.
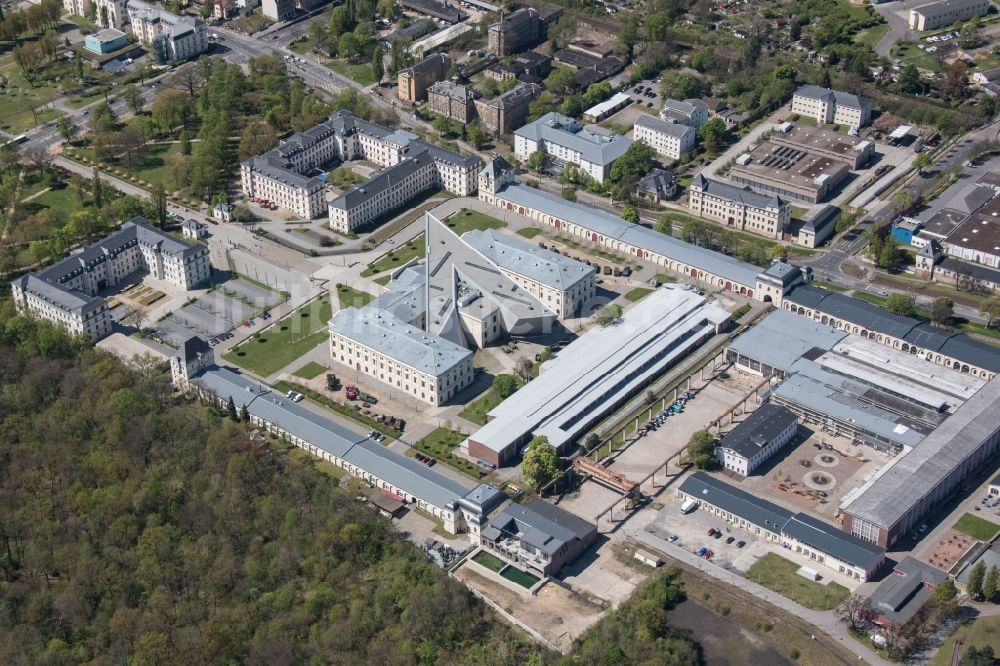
(691, 532)
(217, 311)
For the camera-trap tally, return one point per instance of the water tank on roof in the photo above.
(744, 159)
(784, 128)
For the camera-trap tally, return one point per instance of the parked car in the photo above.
(672, 538)
(708, 554)
(711, 531)
(730, 539)
(740, 544)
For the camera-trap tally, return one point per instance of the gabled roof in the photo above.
(727, 497)
(743, 195)
(840, 98)
(758, 430)
(542, 525)
(564, 131)
(834, 541)
(544, 266)
(663, 127)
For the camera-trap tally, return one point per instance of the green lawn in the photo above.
(663, 278)
(20, 97)
(976, 527)
(778, 574)
(529, 232)
(870, 36)
(286, 340)
(64, 200)
(350, 297)
(440, 443)
(490, 561)
(910, 54)
(396, 258)
(153, 168)
(467, 220)
(310, 370)
(476, 411)
(361, 73)
(384, 280)
(638, 293)
(983, 631)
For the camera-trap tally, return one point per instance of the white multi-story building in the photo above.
(569, 142)
(279, 175)
(66, 292)
(757, 438)
(109, 13)
(941, 14)
(561, 283)
(690, 112)
(671, 140)
(739, 207)
(278, 10)
(172, 37)
(832, 106)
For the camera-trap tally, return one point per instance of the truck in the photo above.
(689, 505)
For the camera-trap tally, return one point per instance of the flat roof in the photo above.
(886, 498)
(605, 224)
(599, 368)
(819, 138)
(945, 6)
(980, 231)
(792, 166)
(610, 104)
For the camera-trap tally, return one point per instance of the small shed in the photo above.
(808, 573)
(648, 558)
(389, 507)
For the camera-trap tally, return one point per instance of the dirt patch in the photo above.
(723, 643)
(949, 550)
(554, 612)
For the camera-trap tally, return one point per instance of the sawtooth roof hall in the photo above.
(597, 373)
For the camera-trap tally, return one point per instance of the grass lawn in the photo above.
(345, 178)
(910, 54)
(490, 561)
(980, 633)
(286, 340)
(440, 443)
(976, 527)
(361, 73)
(476, 411)
(778, 574)
(663, 278)
(396, 258)
(302, 47)
(64, 200)
(529, 232)
(384, 280)
(154, 163)
(467, 220)
(637, 293)
(310, 370)
(351, 297)
(870, 36)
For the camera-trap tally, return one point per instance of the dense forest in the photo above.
(136, 528)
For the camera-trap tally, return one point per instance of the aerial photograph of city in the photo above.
(500, 332)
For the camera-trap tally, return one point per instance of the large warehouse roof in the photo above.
(738, 502)
(890, 495)
(782, 338)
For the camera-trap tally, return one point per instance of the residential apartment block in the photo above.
(671, 140)
(561, 283)
(414, 81)
(171, 37)
(941, 14)
(570, 143)
(515, 32)
(278, 10)
(690, 112)
(452, 101)
(739, 207)
(504, 113)
(109, 13)
(832, 106)
(66, 292)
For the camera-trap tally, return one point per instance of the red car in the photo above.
(351, 392)
(711, 531)
(708, 554)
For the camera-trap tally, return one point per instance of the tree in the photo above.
(257, 137)
(160, 204)
(712, 134)
(901, 304)
(637, 160)
(681, 86)
(572, 106)
(102, 118)
(134, 316)
(922, 161)
(569, 193)
(561, 32)
(133, 98)
(538, 161)
(378, 64)
(231, 409)
(244, 414)
(348, 46)
(990, 310)
(856, 611)
(561, 81)
(665, 225)
(608, 315)
(942, 310)
(909, 80)
(628, 35)
(701, 449)
(991, 584)
(982, 657)
(476, 136)
(97, 188)
(387, 9)
(190, 78)
(67, 129)
(630, 214)
(977, 575)
(504, 386)
(944, 597)
(540, 464)
(522, 369)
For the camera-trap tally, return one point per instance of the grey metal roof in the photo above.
(399, 340)
(663, 127)
(900, 595)
(757, 430)
(782, 338)
(452, 90)
(605, 224)
(542, 525)
(834, 541)
(69, 300)
(396, 469)
(740, 503)
(564, 131)
(382, 181)
(836, 96)
(544, 266)
(911, 477)
(743, 195)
